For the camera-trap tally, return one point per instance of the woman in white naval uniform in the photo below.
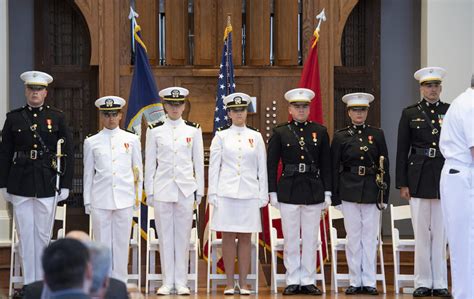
(237, 188)
(174, 180)
(112, 182)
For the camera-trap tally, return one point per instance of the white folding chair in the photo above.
(16, 270)
(213, 277)
(134, 274)
(398, 245)
(339, 244)
(152, 248)
(276, 244)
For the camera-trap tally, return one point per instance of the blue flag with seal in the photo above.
(144, 99)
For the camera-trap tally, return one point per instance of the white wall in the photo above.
(447, 40)
(4, 105)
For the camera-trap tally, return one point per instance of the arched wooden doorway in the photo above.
(63, 49)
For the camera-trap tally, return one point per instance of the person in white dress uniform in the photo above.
(174, 185)
(113, 182)
(457, 190)
(237, 188)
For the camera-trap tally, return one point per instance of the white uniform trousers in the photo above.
(430, 243)
(112, 228)
(33, 224)
(361, 222)
(300, 264)
(174, 223)
(457, 193)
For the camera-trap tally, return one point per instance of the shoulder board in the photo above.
(190, 123)
(252, 128)
(223, 128)
(343, 129)
(89, 135)
(17, 109)
(129, 131)
(53, 108)
(157, 124)
(374, 128)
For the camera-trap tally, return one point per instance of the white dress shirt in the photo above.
(238, 164)
(110, 158)
(174, 160)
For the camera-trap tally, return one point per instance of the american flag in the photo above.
(225, 81)
(225, 86)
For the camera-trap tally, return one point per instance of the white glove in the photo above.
(327, 199)
(263, 202)
(64, 194)
(274, 200)
(384, 206)
(87, 209)
(198, 199)
(5, 194)
(149, 200)
(212, 200)
(338, 207)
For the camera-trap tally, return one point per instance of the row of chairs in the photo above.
(214, 278)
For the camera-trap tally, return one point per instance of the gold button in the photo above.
(302, 157)
(113, 147)
(433, 121)
(287, 144)
(238, 133)
(302, 148)
(113, 160)
(238, 164)
(301, 129)
(35, 115)
(360, 139)
(240, 157)
(175, 152)
(240, 140)
(34, 135)
(359, 131)
(240, 148)
(175, 139)
(113, 173)
(114, 185)
(301, 138)
(238, 173)
(362, 158)
(434, 143)
(19, 130)
(432, 111)
(35, 146)
(417, 127)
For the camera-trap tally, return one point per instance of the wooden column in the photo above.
(258, 33)
(177, 49)
(205, 23)
(148, 21)
(286, 32)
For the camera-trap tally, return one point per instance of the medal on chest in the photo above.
(49, 123)
(127, 147)
(371, 139)
(189, 141)
(440, 119)
(314, 135)
(251, 142)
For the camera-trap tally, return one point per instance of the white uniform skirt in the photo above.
(236, 215)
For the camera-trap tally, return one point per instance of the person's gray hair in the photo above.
(101, 263)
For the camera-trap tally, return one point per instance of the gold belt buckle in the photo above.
(432, 152)
(302, 167)
(33, 154)
(361, 171)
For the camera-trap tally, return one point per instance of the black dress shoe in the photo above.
(370, 291)
(422, 292)
(310, 289)
(292, 289)
(353, 290)
(441, 293)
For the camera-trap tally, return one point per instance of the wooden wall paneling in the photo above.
(309, 23)
(148, 21)
(286, 32)
(109, 21)
(232, 8)
(343, 11)
(90, 12)
(258, 33)
(205, 23)
(177, 49)
(125, 51)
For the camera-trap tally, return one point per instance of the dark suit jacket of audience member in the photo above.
(116, 290)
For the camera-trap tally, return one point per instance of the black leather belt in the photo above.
(429, 152)
(301, 168)
(360, 170)
(32, 154)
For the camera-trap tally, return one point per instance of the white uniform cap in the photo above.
(428, 74)
(36, 78)
(174, 93)
(237, 99)
(303, 95)
(110, 103)
(358, 99)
